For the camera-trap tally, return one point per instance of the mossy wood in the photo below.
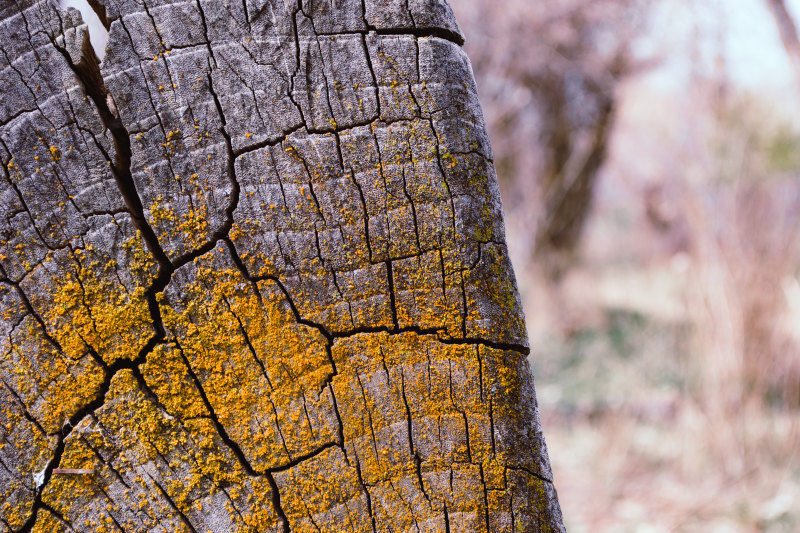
(254, 276)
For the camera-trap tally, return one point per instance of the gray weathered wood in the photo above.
(254, 276)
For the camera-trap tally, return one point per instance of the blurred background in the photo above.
(648, 152)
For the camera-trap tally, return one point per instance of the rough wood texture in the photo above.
(254, 276)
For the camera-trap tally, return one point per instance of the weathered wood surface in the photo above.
(254, 276)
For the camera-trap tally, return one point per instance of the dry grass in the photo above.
(644, 434)
(625, 471)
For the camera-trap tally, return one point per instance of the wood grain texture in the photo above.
(253, 274)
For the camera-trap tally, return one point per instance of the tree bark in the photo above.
(254, 276)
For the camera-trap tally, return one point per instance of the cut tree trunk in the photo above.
(254, 276)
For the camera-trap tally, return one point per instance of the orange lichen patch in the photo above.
(46, 522)
(22, 440)
(63, 490)
(172, 142)
(508, 385)
(381, 381)
(194, 225)
(52, 383)
(426, 296)
(323, 492)
(168, 471)
(90, 310)
(416, 409)
(532, 502)
(251, 506)
(399, 505)
(191, 224)
(166, 374)
(140, 262)
(364, 301)
(263, 373)
(493, 305)
(375, 426)
(390, 383)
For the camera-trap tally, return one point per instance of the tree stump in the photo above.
(254, 276)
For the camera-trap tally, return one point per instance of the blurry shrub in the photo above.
(746, 246)
(547, 72)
